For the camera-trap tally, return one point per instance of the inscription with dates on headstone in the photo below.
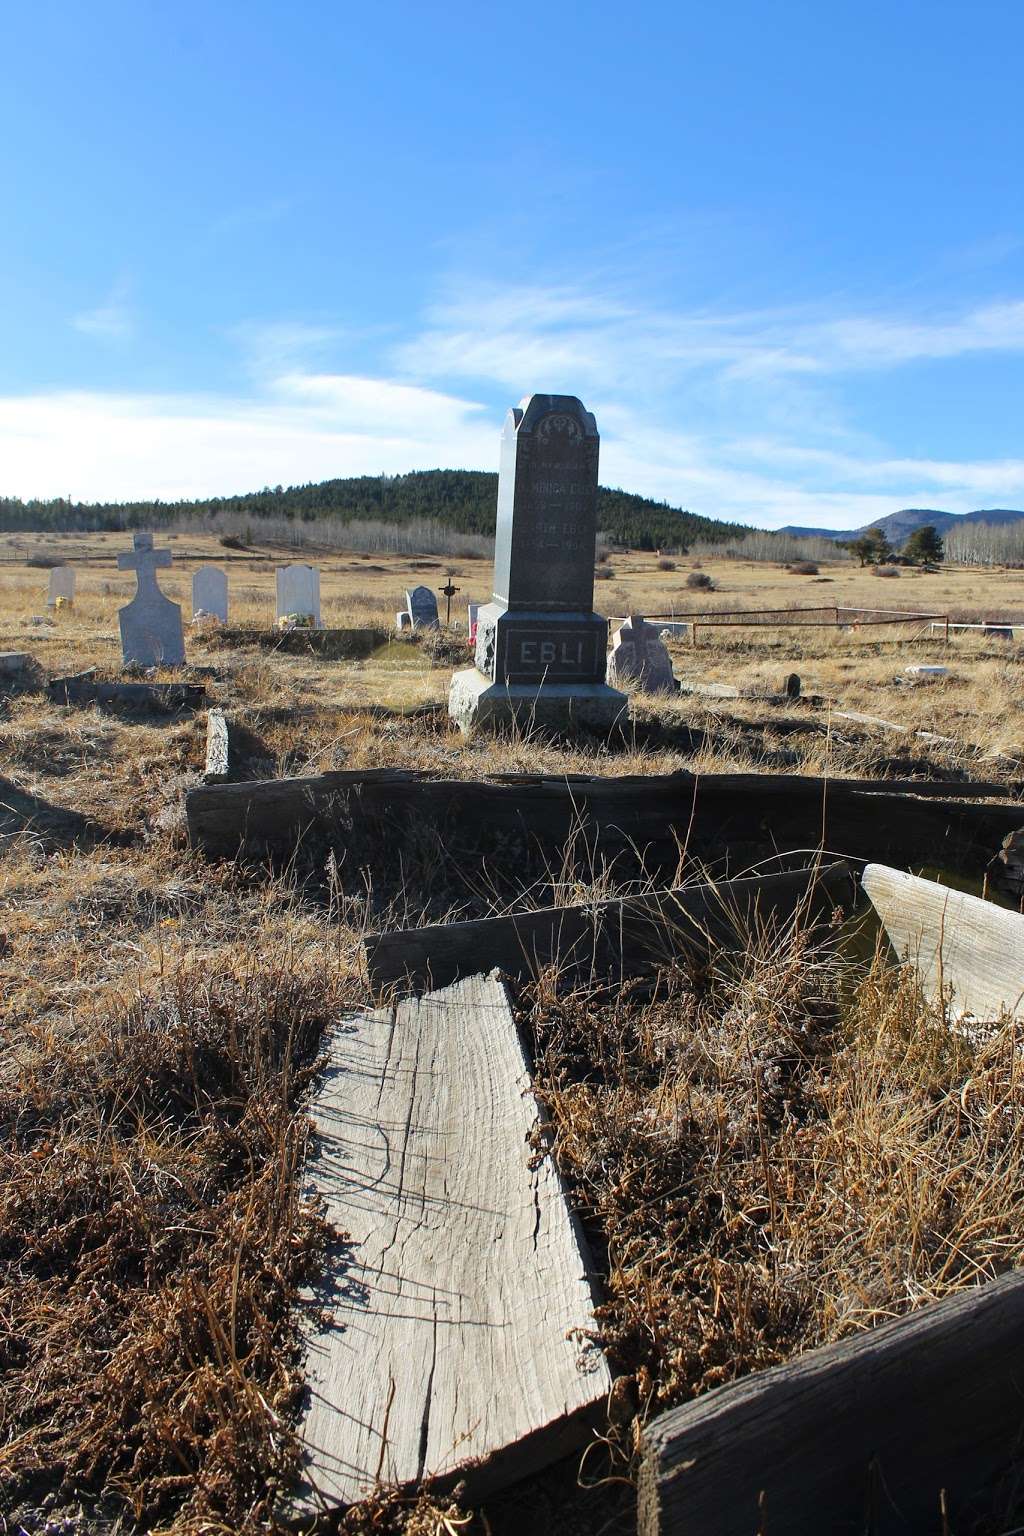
(547, 507)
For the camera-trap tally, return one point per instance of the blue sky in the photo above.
(777, 248)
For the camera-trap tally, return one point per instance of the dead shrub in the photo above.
(700, 581)
(443, 647)
(884, 570)
(664, 564)
(803, 568)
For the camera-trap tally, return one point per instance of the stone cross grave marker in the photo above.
(151, 630)
(421, 605)
(62, 585)
(210, 592)
(639, 659)
(298, 592)
(540, 648)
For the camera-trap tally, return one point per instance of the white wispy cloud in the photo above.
(506, 333)
(97, 446)
(112, 320)
(739, 415)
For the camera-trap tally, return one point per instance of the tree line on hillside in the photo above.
(463, 500)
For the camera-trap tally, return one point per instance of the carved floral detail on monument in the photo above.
(560, 424)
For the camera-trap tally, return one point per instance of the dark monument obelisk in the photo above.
(540, 647)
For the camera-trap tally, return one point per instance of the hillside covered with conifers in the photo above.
(462, 499)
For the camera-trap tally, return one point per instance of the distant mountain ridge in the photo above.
(898, 526)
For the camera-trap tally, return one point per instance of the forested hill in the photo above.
(463, 499)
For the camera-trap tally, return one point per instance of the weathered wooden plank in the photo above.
(83, 688)
(218, 747)
(632, 809)
(451, 1307)
(966, 950)
(334, 644)
(860, 1436)
(890, 725)
(876, 721)
(617, 938)
(638, 823)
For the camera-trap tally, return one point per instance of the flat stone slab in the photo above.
(474, 702)
(13, 661)
(446, 1339)
(710, 690)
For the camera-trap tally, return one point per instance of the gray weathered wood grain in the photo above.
(451, 1307)
(966, 950)
(617, 938)
(859, 1436)
(875, 818)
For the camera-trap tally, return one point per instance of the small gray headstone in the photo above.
(791, 687)
(639, 660)
(422, 608)
(298, 592)
(62, 585)
(151, 629)
(210, 592)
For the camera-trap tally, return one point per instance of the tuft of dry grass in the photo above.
(787, 1152)
(154, 1235)
(767, 1156)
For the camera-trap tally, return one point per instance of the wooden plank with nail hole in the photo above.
(609, 938)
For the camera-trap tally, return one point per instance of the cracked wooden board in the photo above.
(966, 950)
(450, 1342)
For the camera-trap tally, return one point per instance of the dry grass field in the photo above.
(789, 1149)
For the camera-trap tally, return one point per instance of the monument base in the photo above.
(474, 701)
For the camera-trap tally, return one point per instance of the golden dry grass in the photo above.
(765, 1159)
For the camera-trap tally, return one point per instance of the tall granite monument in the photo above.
(540, 647)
